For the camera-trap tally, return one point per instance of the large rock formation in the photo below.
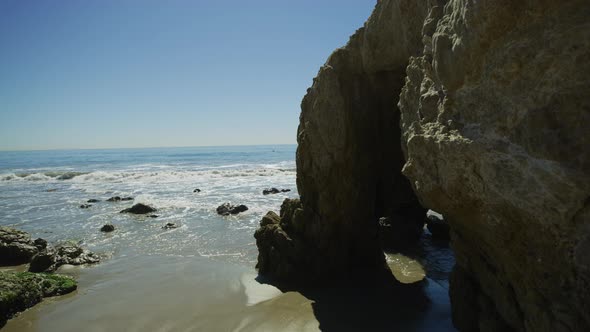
(495, 123)
(349, 157)
(495, 116)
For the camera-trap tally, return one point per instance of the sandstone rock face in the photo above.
(495, 119)
(495, 116)
(349, 157)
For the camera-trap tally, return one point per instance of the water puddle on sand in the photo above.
(405, 269)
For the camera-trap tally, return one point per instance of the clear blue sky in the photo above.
(122, 73)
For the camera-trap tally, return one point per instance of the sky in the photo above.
(121, 73)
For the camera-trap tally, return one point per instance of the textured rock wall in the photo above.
(349, 157)
(495, 123)
(495, 116)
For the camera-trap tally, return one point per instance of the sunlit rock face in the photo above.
(349, 157)
(493, 133)
(495, 119)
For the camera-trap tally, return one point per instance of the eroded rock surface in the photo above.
(349, 157)
(495, 116)
(495, 123)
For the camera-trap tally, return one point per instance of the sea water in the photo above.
(41, 193)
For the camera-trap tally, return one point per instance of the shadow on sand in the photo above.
(377, 303)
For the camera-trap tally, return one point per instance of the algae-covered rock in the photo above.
(22, 290)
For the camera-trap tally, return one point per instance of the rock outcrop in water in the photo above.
(495, 113)
(16, 247)
(139, 209)
(227, 209)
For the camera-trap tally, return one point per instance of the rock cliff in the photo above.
(495, 123)
(349, 156)
(490, 129)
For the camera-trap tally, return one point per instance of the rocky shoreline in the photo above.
(21, 290)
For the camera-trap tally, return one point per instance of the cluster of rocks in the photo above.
(17, 247)
(119, 199)
(283, 251)
(112, 199)
(274, 191)
(227, 209)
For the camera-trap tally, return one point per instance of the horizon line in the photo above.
(141, 148)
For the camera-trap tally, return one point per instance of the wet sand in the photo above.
(159, 293)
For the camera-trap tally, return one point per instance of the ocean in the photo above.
(41, 193)
(199, 276)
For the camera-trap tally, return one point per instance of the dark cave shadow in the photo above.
(372, 303)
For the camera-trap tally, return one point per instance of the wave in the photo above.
(41, 176)
(152, 175)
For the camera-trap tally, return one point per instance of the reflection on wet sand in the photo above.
(160, 293)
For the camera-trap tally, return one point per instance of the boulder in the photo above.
(270, 191)
(119, 199)
(274, 191)
(85, 206)
(107, 228)
(153, 216)
(71, 253)
(22, 290)
(197, 190)
(279, 255)
(44, 261)
(170, 225)
(16, 247)
(93, 200)
(139, 209)
(40, 243)
(226, 209)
